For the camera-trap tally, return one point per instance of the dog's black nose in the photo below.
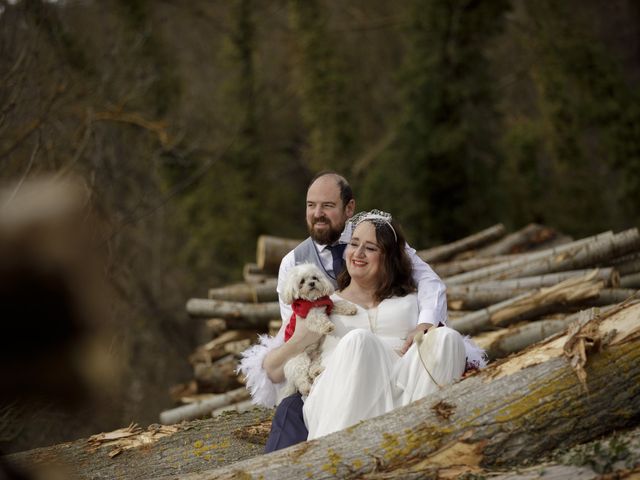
(312, 284)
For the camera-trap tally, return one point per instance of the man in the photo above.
(330, 204)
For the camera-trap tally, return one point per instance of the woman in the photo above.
(367, 373)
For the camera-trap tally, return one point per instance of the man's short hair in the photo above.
(346, 193)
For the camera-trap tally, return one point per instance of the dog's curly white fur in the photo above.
(307, 282)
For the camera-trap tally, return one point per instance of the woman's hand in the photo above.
(302, 336)
(420, 328)
(274, 361)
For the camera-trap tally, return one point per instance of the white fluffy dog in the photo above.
(307, 284)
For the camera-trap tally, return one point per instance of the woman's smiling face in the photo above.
(364, 255)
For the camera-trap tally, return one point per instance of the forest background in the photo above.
(196, 126)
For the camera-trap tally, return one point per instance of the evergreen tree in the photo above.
(222, 213)
(586, 124)
(322, 88)
(440, 173)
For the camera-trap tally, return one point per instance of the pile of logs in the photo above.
(507, 291)
(561, 322)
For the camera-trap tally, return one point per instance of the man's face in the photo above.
(326, 215)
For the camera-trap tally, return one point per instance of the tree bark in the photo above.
(197, 446)
(270, 250)
(571, 291)
(502, 342)
(247, 292)
(444, 252)
(583, 253)
(512, 411)
(630, 281)
(627, 264)
(608, 296)
(616, 457)
(236, 314)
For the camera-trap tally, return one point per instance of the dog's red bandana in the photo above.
(301, 308)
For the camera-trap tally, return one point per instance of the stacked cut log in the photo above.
(507, 290)
(517, 299)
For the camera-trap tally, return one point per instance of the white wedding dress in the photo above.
(364, 374)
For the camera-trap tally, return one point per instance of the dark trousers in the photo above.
(287, 427)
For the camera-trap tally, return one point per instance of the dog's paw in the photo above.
(318, 321)
(315, 370)
(327, 327)
(343, 307)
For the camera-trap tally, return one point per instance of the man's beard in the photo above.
(327, 236)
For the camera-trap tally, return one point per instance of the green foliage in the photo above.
(444, 158)
(47, 19)
(322, 88)
(165, 85)
(584, 127)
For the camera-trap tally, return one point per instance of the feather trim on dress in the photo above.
(263, 391)
(476, 356)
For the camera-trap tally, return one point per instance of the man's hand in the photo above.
(421, 327)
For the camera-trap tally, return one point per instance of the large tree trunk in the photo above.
(444, 252)
(511, 412)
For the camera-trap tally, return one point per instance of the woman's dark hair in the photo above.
(396, 271)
